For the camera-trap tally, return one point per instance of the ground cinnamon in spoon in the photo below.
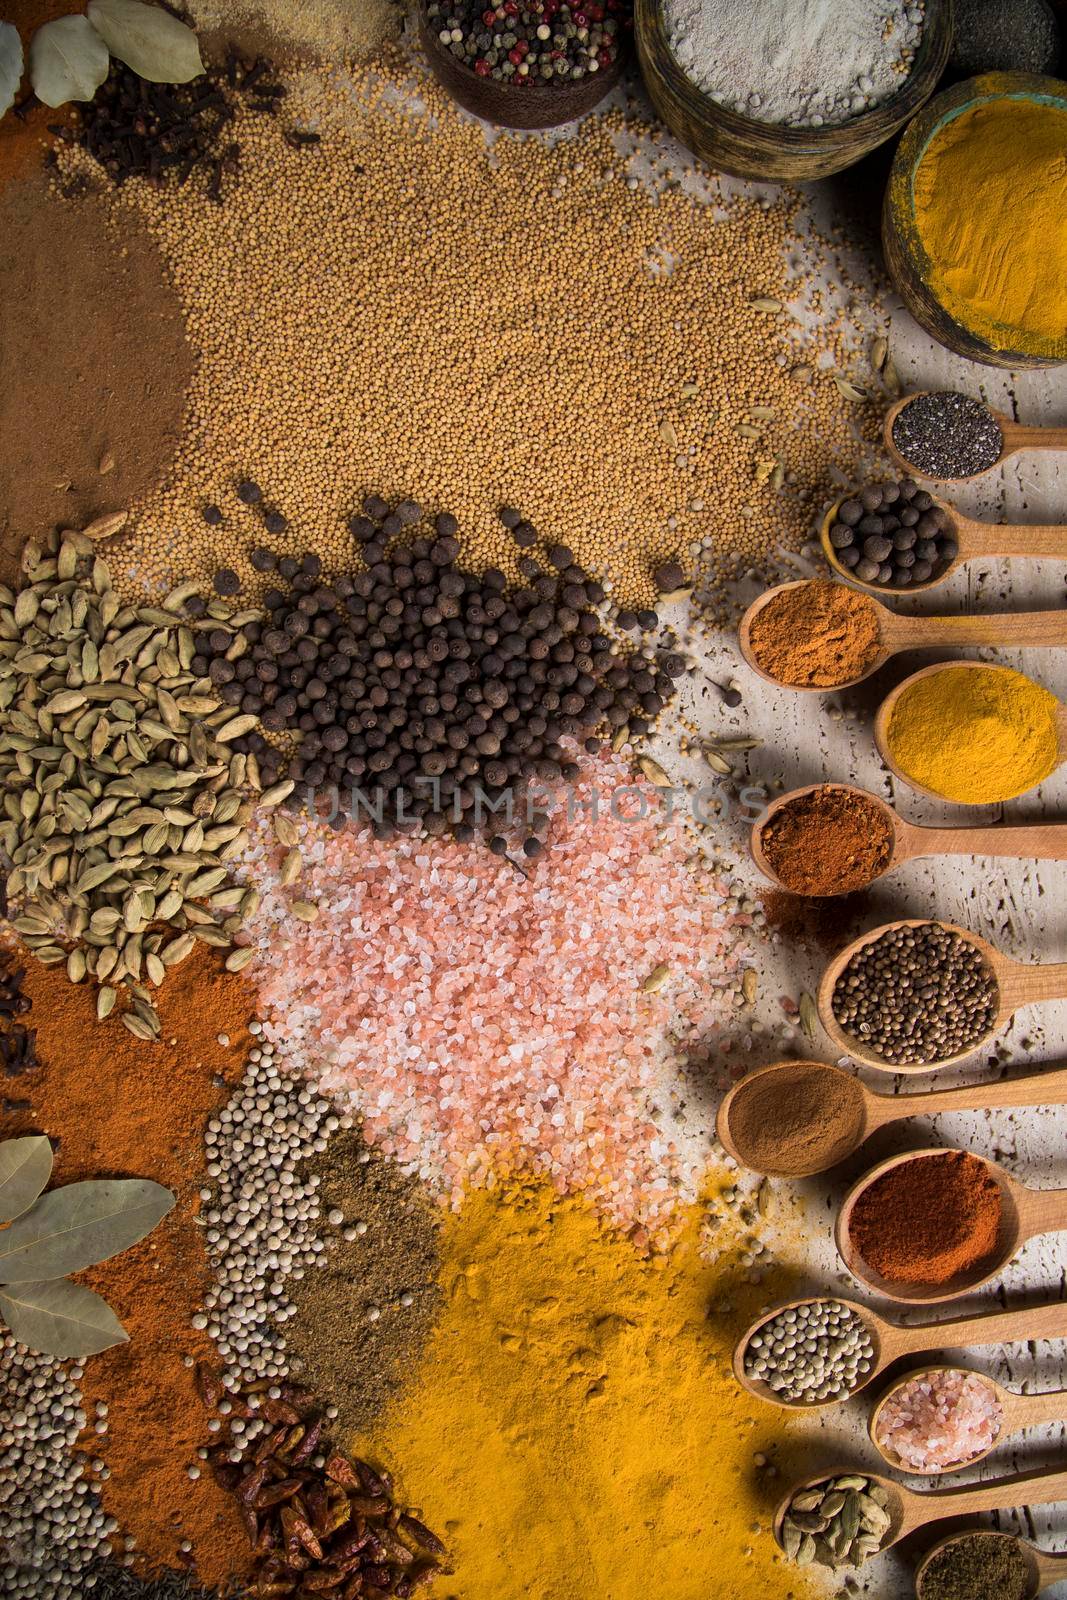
(798, 1119)
(829, 841)
(929, 1220)
(816, 635)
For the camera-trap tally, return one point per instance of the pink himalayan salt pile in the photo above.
(940, 1420)
(479, 1021)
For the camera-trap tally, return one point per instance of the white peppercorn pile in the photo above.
(51, 1523)
(261, 1217)
(919, 994)
(434, 692)
(817, 1351)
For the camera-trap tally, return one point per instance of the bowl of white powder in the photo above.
(802, 89)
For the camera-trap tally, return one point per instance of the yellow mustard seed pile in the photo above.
(410, 310)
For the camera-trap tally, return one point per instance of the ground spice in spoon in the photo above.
(797, 1120)
(830, 841)
(817, 635)
(929, 1220)
(982, 1565)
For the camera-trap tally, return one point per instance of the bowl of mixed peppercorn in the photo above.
(526, 65)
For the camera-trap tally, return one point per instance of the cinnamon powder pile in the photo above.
(94, 363)
(115, 1106)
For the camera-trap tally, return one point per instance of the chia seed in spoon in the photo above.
(947, 435)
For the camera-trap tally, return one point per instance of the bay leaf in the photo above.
(148, 39)
(79, 1225)
(25, 1168)
(68, 61)
(60, 1318)
(10, 65)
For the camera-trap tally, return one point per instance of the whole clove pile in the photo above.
(163, 132)
(436, 694)
(330, 1528)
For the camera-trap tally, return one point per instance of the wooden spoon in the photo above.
(1018, 984)
(1025, 1213)
(890, 1340)
(884, 714)
(1014, 435)
(1019, 1412)
(1039, 630)
(910, 1510)
(864, 1111)
(1036, 841)
(974, 540)
(1046, 1568)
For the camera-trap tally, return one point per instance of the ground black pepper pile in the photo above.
(361, 1320)
(978, 1566)
(434, 693)
(947, 435)
(894, 534)
(539, 42)
(917, 994)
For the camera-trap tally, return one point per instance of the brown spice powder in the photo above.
(831, 841)
(929, 1220)
(816, 635)
(115, 1106)
(798, 1120)
(94, 364)
(351, 1356)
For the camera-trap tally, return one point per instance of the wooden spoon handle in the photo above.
(1001, 1494)
(1012, 539)
(1016, 437)
(1033, 1410)
(1042, 1211)
(1051, 1567)
(1036, 1089)
(1032, 841)
(1023, 985)
(1036, 629)
(1003, 1327)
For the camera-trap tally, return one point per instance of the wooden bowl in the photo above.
(729, 142)
(906, 258)
(546, 106)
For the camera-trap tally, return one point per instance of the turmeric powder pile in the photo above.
(575, 1428)
(976, 734)
(990, 197)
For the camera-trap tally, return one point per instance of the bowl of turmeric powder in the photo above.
(975, 219)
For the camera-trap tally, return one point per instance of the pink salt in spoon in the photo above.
(1018, 1412)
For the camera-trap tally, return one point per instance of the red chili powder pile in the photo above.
(929, 1220)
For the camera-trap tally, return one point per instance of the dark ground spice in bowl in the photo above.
(830, 841)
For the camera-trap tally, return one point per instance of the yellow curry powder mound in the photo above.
(991, 212)
(575, 1429)
(975, 734)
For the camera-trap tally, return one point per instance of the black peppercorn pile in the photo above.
(918, 994)
(893, 533)
(431, 688)
(541, 43)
